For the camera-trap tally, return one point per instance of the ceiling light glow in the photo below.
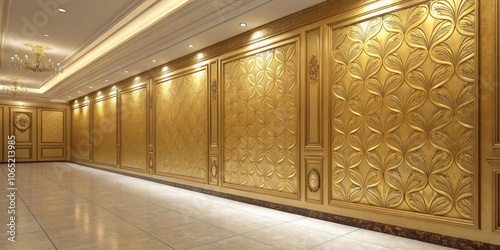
(62, 10)
(243, 24)
(190, 46)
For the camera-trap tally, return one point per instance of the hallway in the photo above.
(67, 206)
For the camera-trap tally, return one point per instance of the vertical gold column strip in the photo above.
(118, 117)
(496, 133)
(91, 129)
(213, 97)
(3, 137)
(314, 128)
(496, 199)
(151, 161)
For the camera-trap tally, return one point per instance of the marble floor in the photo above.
(67, 206)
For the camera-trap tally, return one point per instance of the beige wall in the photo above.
(41, 130)
(365, 111)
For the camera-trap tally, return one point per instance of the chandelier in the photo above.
(14, 89)
(35, 61)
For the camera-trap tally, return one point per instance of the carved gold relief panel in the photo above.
(53, 126)
(403, 111)
(80, 133)
(260, 120)
(104, 131)
(182, 125)
(133, 130)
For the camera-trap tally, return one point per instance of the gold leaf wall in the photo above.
(403, 111)
(133, 132)
(80, 133)
(52, 126)
(182, 125)
(104, 131)
(260, 120)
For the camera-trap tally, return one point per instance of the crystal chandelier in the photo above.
(14, 89)
(36, 61)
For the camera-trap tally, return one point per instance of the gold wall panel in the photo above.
(53, 126)
(403, 111)
(24, 152)
(496, 132)
(104, 131)
(496, 194)
(133, 132)
(80, 133)
(182, 125)
(261, 119)
(23, 124)
(53, 153)
(3, 137)
(314, 122)
(24, 135)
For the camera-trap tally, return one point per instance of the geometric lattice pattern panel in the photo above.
(261, 148)
(104, 131)
(182, 126)
(403, 110)
(52, 126)
(80, 133)
(133, 119)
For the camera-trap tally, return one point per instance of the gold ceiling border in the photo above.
(350, 18)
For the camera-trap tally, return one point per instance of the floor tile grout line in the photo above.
(36, 219)
(105, 210)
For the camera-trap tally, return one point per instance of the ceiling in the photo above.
(101, 42)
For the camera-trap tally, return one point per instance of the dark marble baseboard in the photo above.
(433, 238)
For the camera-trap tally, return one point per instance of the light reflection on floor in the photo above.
(67, 206)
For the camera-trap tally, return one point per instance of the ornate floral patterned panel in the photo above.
(133, 119)
(261, 147)
(80, 133)
(181, 126)
(403, 110)
(104, 131)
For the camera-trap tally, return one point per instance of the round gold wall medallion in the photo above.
(313, 179)
(22, 121)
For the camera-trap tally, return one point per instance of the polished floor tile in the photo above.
(67, 206)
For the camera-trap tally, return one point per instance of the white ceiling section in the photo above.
(97, 40)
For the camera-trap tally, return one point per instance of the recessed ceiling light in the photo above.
(62, 10)
(190, 46)
(90, 87)
(154, 60)
(79, 92)
(46, 35)
(126, 71)
(69, 96)
(243, 24)
(106, 80)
